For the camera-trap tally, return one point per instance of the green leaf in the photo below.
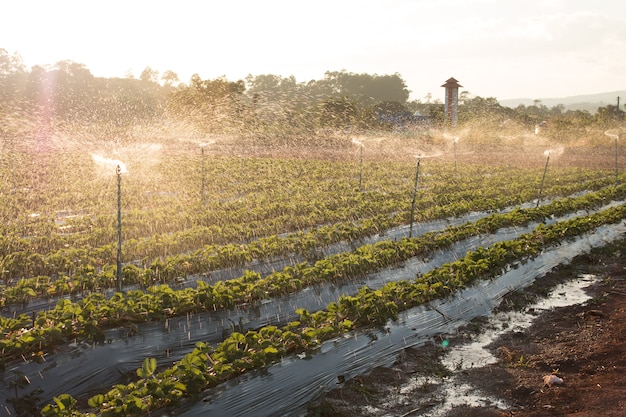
(59, 403)
(147, 368)
(96, 401)
(270, 349)
(29, 291)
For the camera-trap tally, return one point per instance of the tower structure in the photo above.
(452, 101)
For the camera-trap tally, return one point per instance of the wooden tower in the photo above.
(452, 101)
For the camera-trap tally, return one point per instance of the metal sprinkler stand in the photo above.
(203, 177)
(361, 170)
(616, 166)
(455, 140)
(616, 137)
(417, 172)
(118, 171)
(542, 180)
(203, 186)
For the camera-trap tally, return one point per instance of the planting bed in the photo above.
(582, 343)
(310, 376)
(306, 284)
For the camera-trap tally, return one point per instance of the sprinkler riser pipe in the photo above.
(202, 191)
(542, 180)
(454, 156)
(119, 228)
(361, 170)
(616, 165)
(417, 172)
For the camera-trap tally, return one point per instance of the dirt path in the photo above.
(584, 345)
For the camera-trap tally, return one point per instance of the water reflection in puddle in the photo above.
(475, 354)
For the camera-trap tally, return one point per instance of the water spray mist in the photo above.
(108, 163)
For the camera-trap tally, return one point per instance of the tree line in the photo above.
(67, 97)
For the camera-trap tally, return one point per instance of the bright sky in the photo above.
(495, 48)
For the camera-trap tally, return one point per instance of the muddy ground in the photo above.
(584, 345)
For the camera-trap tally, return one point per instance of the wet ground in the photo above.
(582, 344)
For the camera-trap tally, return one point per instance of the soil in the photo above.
(583, 344)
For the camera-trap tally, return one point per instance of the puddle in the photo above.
(475, 354)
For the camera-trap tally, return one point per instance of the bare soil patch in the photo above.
(584, 345)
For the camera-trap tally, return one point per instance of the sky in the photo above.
(495, 48)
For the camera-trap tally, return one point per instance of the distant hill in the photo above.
(589, 102)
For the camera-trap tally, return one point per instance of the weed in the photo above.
(360, 388)
(322, 409)
(28, 404)
(522, 363)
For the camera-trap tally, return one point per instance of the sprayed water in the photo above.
(612, 133)
(554, 152)
(108, 163)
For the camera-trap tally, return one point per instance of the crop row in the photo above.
(78, 269)
(86, 319)
(272, 197)
(207, 366)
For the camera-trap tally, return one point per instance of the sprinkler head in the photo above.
(203, 144)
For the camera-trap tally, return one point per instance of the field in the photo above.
(271, 270)
(583, 343)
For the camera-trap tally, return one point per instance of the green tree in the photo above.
(605, 116)
(212, 105)
(485, 110)
(149, 75)
(366, 89)
(170, 78)
(338, 113)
